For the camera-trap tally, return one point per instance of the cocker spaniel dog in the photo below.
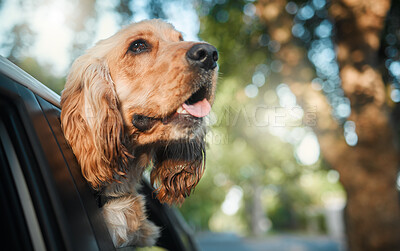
(136, 100)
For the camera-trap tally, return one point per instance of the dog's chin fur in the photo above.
(120, 116)
(178, 167)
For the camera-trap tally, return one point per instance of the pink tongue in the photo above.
(199, 109)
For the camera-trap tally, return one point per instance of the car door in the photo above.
(42, 188)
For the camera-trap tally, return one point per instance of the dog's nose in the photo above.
(203, 55)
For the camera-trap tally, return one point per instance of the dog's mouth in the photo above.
(195, 107)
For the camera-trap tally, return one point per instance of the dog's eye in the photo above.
(139, 46)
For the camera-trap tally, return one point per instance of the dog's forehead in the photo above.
(153, 28)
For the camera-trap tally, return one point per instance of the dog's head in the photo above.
(143, 91)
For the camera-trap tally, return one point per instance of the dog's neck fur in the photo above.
(131, 181)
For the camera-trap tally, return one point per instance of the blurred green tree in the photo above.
(42, 73)
(353, 109)
(242, 153)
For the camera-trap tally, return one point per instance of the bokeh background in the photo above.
(303, 146)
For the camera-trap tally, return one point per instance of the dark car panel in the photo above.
(14, 228)
(86, 194)
(59, 206)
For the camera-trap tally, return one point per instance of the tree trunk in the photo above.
(259, 222)
(368, 171)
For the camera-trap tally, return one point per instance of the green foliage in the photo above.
(241, 153)
(43, 73)
(21, 36)
(236, 41)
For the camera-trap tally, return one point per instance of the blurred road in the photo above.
(228, 241)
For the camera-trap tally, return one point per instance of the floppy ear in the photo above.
(177, 170)
(92, 122)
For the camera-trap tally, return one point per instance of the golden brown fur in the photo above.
(119, 114)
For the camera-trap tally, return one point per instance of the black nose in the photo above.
(203, 55)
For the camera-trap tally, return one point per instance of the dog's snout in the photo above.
(203, 55)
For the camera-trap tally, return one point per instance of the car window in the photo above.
(14, 227)
(64, 217)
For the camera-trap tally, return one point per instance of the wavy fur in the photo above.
(119, 115)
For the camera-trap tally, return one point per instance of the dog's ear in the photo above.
(92, 122)
(177, 170)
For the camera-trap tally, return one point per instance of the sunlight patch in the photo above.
(231, 204)
(307, 152)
